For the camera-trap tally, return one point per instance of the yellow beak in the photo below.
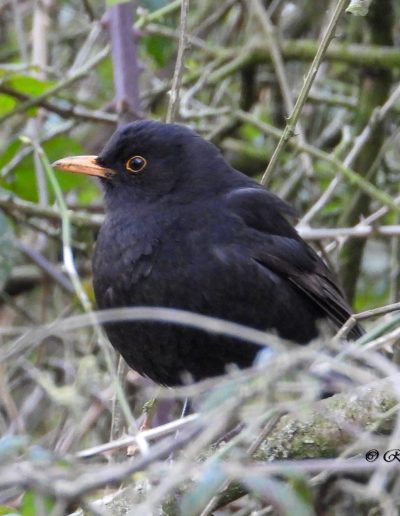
(83, 165)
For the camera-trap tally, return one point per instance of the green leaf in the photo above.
(7, 249)
(159, 48)
(249, 132)
(7, 104)
(8, 511)
(105, 79)
(28, 84)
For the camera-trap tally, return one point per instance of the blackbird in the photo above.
(184, 230)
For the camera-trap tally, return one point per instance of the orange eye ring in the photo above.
(136, 164)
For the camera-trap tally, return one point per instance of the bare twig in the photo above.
(25, 151)
(308, 81)
(361, 231)
(77, 112)
(149, 435)
(276, 56)
(19, 31)
(47, 266)
(350, 323)
(145, 17)
(76, 76)
(173, 105)
(179, 317)
(11, 203)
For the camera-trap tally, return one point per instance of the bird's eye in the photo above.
(136, 164)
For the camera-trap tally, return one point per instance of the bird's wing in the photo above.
(275, 244)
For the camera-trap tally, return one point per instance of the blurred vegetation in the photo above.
(63, 93)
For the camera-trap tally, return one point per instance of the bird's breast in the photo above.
(153, 261)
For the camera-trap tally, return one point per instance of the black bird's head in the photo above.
(148, 159)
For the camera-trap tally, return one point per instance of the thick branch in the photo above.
(125, 62)
(325, 429)
(320, 431)
(304, 50)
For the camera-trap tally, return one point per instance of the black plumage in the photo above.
(187, 231)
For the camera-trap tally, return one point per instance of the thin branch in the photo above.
(178, 317)
(352, 321)
(25, 151)
(77, 75)
(71, 111)
(68, 258)
(10, 202)
(308, 81)
(149, 435)
(47, 267)
(218, 12)
(173, 105)
(361, 231)
(195, 41)
(146, 17)
(279, 66)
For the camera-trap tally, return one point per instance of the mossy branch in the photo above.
(321, 431)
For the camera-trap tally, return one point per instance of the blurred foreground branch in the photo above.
(322, 430)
